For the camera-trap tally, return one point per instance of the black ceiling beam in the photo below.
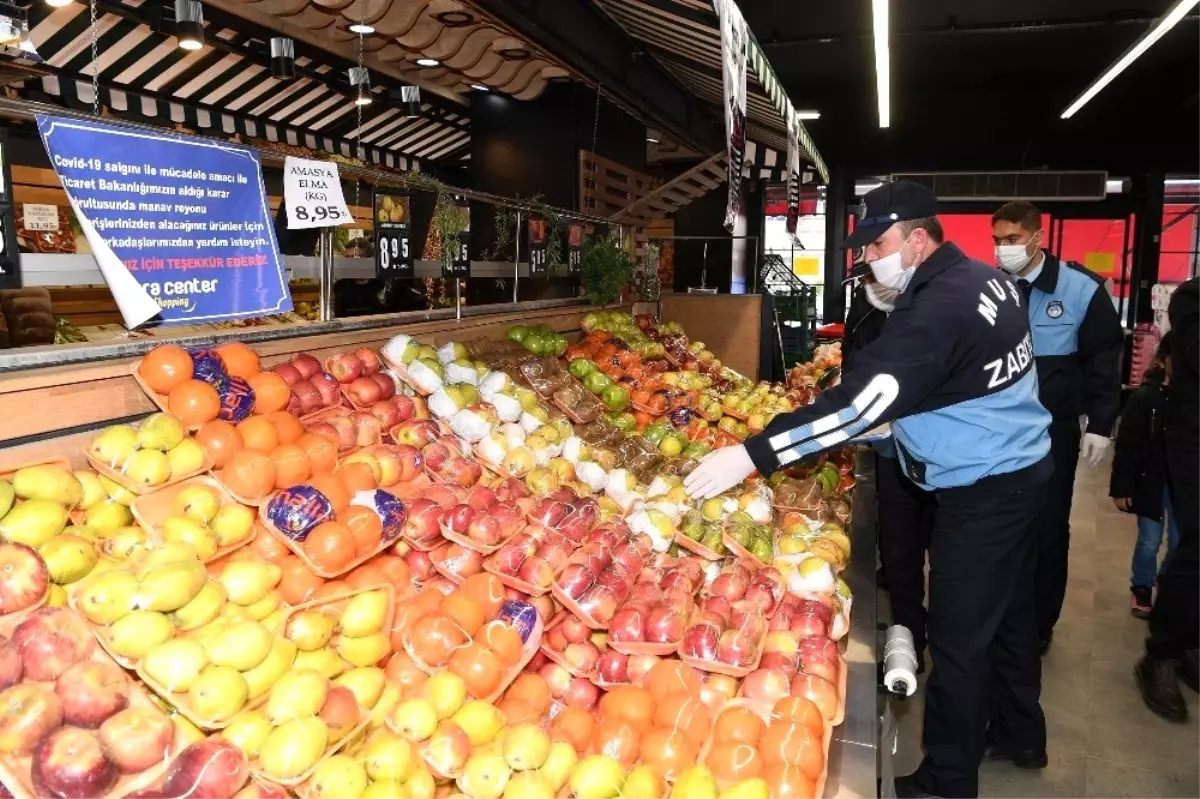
(580, 34)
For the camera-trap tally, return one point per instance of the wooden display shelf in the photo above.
(729, 324)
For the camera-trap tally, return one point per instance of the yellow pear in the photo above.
(218, 693)
(479, 720)
(597, 777)
(57, 597)
(247, 731)
(273, 619)
(107, 597)
(293, 748)
(526, 747)
(364, 614)
(389, 757)
(174, 552)
(383, 707)
(246, 581)
(114, 445)
(69, 558)
(559, 765)
(532, 785)
(147, 468)
(755, 788)
(186, 457)
(242, 645)
(139, 631)
(645, 780)
(262, 677)
(7, 497)
(381, 789)
(337, 777)
(421, 784)
(175, 664)
(364, 651)
(188, 530)
(484, 776)
(160, 431)
(124, 543)
(365, 683)
(696, 782)
(169, 587)
(298, 694)
(34, 522)
(48, 482)
(205, 606)
(310, 629)
(414, 719)
(446, 691)
(232, 524)
(93, 489)
(323, 661)
(265, 606)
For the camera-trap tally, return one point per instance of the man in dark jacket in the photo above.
(1173, 648)
(1077, 341)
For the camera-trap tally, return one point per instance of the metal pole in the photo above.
(517, 259)
(457, 300)
(325, 253)
(704, 268)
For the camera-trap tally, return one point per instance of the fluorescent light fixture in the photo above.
(1114, 186)
(427, 62)
(59, 3)
(1172, 18)
(1181, 182)
(808, 115)
(362, 28)
(479, 87)
(883, 69)
(862, 188)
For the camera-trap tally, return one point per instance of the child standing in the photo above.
(1139, 478)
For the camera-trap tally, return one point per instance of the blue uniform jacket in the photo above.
(1077, 341)
(953, 371)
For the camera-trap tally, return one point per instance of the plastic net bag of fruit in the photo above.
(800, 494)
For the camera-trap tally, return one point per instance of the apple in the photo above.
(737, 649)
(779, 661)
(367, 428)
(581, 693)
(464, 471)
(544, 605)
(639, 667)
(411, 462)
(575, 580)
(819, 691)
(329, 389)
(509, 518)
(719, 605)
(364, 391)
(613, 667)
(50, 641)
(458, 518)
(26, 578)
(422, 522)
(510, 489)
(323, 429)
(575, 630)
(557, 679)
(437, 456)
(581, 658)
(347, 433)
(765, 686)
(340, 712)
(485, 530)
(718, 689)
(818, 667)
(387, 386)
(10, 663)
(417, 433)
(386, 412)
(345, 368)
(729, 585)
(555, 640)
(445, 496)
(91, 691)
(446, 751)
(259, 790)
(307, 398)
(27, 713)
(536, 571)
(420, 567)
(369, 359)
(69, 763)
(819, 646)
(481, 498)
(807, 625)
(600, 603)
(212, 767)
(290, 374)
(306, 365)
(388, 460)
(819, 609)
(700, 641)
(137, 738)
(665, 625)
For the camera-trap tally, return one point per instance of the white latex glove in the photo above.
(1094, 448)
(718, 472)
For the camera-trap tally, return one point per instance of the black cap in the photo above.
(886, 205)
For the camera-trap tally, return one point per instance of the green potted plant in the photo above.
(606, 270)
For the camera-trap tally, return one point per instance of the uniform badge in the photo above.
(1054, 309)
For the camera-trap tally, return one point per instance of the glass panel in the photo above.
(1100, 245)
(1178, 246)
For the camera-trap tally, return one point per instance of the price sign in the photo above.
(312, 191)
(393, 230)
(459, 264)
(40, 217)
(574, 247)
(537, 246)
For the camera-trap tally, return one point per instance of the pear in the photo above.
(384, 789)
(147, 467)
(34, 522)
(218, 693)
(531, 785)
(598, 777)
(324, 661)
(107, 515)
(169, 587)
(186, 457)
(139, 631)
(480, 721)
(242, 645)
(484, 776)
(414, 719)
(185, 529)
(366, 683)
(446, 691)
(365, 613)
(68, 558)
(293, 748)
(383, 706)
(247, 731)
(175, 665)
(114, 446)
(388, 757)
(559, 765)
(89, 534)
(246, 582)
(526, 747)
(197, 502)
(338, 777)
(124, 543)
(93, 489)
(264, 607)
(298, 694)
(204, 607)
(107, 597)
(273, 620)
(49, 482)
(310, 629)
(232, 524)
(160, 431)
(645, 780)
(117, 492)
(164, 554)
(696, 782)
(364, 651)
(755, 788)
(7, 497)
(263, 677)
(56, 597)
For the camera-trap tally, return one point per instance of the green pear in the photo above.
(175, 665)
(114, 445)
(34, 522)
(93, 489)
(293, 748)
(107, 514)
(364, 614)
(69, 558)
(160, 431)
(124, 543)
(186, 457)
(117, 492)
(247, 731)
(298, 694)
(48, 482)
(197, 502)
(183, 529)
(139, 631)
(263, 677)
(218, 693)
(169, 587)
(204, 607)
(242, 645)
(147, 467)
(107, 597)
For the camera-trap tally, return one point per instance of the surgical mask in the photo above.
(882, 297)
(1012, 258)
(889, 270)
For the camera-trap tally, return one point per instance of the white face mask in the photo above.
(889, 270)
(1012, 258)
(881, 297)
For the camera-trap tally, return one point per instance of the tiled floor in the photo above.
(1102, 740)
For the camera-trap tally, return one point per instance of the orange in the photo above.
(165, 367)
(529, 689)
(465, 611)
(357, 476)
(271, 392)
(240, 360)
(220, 440)
(298, 583)
(668, 676)
(259, 434)
(366, 527)
(330, 546)
(575, 726)
(799, 710)
(333, 489)
(266, 547)
(689, 715)
(435, 637)
(286, 425)
(332, 588)
(517, 712)
(487, 590)
(788, 782)
(632, 703)
(668, 751)
(402, 671)
(617, 739)
(395, 571)
(734, 761)
(291, 465)
(480, 669)
(794, 744)
(321, 452)
(738, 725)
(503, 640)
(249, 474)
(194, 402)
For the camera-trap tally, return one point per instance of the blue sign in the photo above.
(188, 217)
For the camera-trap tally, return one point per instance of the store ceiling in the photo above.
(981, 85)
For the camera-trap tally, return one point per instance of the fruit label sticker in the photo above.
(537, 246)
(574, 247)
(312, 194)
(393, 234)
(179, 225)
(297, 510)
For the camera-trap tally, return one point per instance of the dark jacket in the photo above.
(1183, 405)
(864, 322)
(954, 374)
(1077, 338)
(1139, 470)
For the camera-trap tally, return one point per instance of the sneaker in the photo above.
(1189, 669)
(1159, 685)
(1140, 602)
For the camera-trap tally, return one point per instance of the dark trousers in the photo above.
(905, 514)
(1175, 623)
(1054, 526)
(982, 631)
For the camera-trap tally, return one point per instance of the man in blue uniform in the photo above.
(1077, 342)
(953, 371)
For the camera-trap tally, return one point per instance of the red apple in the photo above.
(340, 712)
(640, 665)
(369, 359)
(387, 386)
(665, 625)
(818, 667)
(10, 664)
(91, 691)
(819, 609)
(581, 694)
(508, 559)
(420, 567)
(808, 624)
(575, 630)
(737, 649)
(306, 365)
(600, 603)
(509, 518)
(404, 406)
(345, 368)
(613, 667)
(417, 433)
(386, 412)
(364, 391)
(367, 429)
(819, 646)
(137, 738)
(481, 498)
(307, 397)
(779, 661)
(555, 640)
(544, 605)
(411, 462)
(765, 685)
(445, 496)
(290, 374)
(700, 641)
(730, 586)
(818, 691)
(70, 764)
(464, 471)
(557, 679)
(485, 530)
(26, 578)
(581, 658)
(536, 571)
(458, 518)
(510, 489)
(323, 429)
(207, 769)
(328, 388)
(27, 713)
(260, 790)
(437, 456)
(719, 605)
(52, 640)
(718, 689)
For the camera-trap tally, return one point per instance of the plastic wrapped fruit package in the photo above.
(569, 642)
(572, 517)
(481, 522)
(747, 538)
(654, 616)
(598, 578)
(474, 422)
(149, 455)
(352, 429)
(785, 744)
(729, 644)
(806, 573)
(423, 526)
(447, 461)
(579, 405)
(530, 559)
(803, 495)
(456, 562)
(601, 433)
(344, 631)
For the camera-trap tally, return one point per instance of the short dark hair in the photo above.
(929, 224)
(1164, 348)
(1019, 212)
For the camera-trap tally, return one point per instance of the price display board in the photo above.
(574, 247)
(392, 214)
(313, 194)
(537, 245)
(10, 259)
(459, 264)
